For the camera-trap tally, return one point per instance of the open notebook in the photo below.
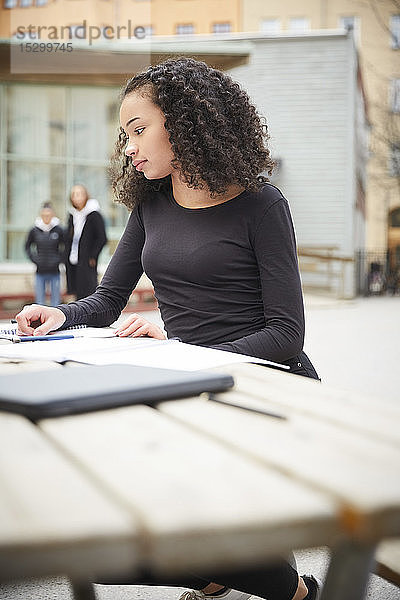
(64, 391)
(99, 346)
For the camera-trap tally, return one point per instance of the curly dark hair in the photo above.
(216, 134)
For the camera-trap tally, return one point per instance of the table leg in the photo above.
(83, 591)
(348, 572)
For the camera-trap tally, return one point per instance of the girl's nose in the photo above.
(130, 149)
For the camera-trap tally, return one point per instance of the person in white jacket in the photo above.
(86, 236)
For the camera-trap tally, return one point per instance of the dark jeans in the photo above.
(50, 280)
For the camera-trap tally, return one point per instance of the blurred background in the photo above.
(324, 73)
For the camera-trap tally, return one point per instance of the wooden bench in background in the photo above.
(327, 266)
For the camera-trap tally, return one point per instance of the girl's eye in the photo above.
(139, 130)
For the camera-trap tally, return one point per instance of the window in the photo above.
(395, 96)
(10, 3)
(221, 28)
(394, 166)
(394, 218)
(25, 3)
(148, 30)
(184, 28)
(351, 23)
(395, 31)
(299, 24)
(270, 25)
(54, 136)
(41, 2)
(347, 23)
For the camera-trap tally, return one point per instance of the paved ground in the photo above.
(354, 345)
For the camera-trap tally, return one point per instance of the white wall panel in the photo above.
(303, 88)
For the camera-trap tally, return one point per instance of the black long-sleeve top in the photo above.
(224, 276)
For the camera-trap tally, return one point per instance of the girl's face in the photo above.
(148, 143)
(78, 197)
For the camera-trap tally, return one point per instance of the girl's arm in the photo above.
(274, 245)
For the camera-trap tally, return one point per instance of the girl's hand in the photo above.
(135, 326)
(35, 319)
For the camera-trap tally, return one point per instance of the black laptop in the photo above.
(66, 391)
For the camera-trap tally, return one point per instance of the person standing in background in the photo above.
(86, 236)
(45, 246)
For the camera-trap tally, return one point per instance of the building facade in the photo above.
(307, 83)
(309, 87)
(376, 29)
(156, 17)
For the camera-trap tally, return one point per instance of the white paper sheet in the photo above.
(173, 355)
(148, 352)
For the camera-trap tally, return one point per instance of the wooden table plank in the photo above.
(199, 485)
(358, 469)
(347, 409)
(53, 519)
(202, 504)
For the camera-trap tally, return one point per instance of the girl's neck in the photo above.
(191, 198)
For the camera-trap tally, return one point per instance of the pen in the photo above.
(40, 338)
(259, 411)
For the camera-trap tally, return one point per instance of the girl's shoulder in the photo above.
(262, 199)
(268, 193)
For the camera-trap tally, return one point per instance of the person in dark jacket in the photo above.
(45, 246)
(86, 236)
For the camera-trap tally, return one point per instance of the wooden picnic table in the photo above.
(196, 485)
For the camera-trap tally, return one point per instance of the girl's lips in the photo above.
(139, 165)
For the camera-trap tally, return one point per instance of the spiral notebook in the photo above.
(78, 331)
(54, 393)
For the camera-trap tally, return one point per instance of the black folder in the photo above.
(57, 392)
